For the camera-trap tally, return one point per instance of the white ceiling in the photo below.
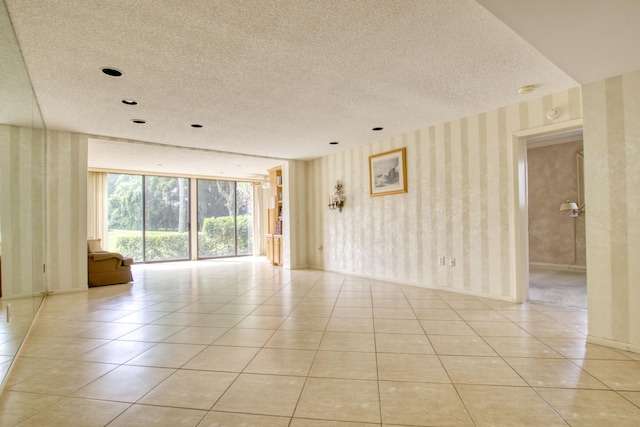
(282, 78)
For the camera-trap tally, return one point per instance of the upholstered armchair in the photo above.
(107, 268)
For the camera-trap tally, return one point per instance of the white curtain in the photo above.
(97, 192)
(260, 197)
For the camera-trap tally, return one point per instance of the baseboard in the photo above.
(560, 266)
(619, 345)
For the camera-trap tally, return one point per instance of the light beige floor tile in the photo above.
(467, 305)
(617, 374)
(63, 379)
(460, 345)
(28, 367)
(79, 412)
(480, 370)
(348, 341)
(110, 331)
(219, 320)
(525, 316)
(555, 330)
(167, 306)
(447, 327)
(353, 312)
(345, 364)
(403, 343)
(227, 419)
(281, 362)
(352, 294)
(398, 326)
(302, 422)
(507, 406)
(196, 335)
(149, 416)
(348, 324)
(436, 314)
(16, 407)
(165, 355)
(592, 407)
(199, 307)
(179, 319)
(245, 337)
(428, 303)
(301, 340)
(312, 311)
(56, 347)
(422, 404)
(521, 347)
(117, 352)
(125, 384)
(354, 302)
(141, 317)
(397, 301)
(235, 309)
(262, 394)
(304, 323)
(281, 310)
(578, 348)
(318, 301)
(481, 315)
(631, 396)
(261, 322)
(393, 313)
(498, 329)
(339, 399)
(411, 367)
(558, 373)
(190, 389)
(152, 333)
(222, 358)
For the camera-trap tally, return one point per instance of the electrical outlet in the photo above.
(442, 260)
(452, 262)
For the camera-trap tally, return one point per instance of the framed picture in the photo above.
(388, 173)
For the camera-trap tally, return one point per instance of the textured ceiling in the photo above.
(278, 79)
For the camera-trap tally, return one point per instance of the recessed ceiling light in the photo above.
(526, 89)
(377, 129)
(334, 143)
(160, 164)
(139, 121)
(196, 125)
(112, 72)
(129, 102)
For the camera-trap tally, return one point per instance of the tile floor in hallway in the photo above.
(238, 342)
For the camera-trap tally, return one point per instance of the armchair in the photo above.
(106, 268)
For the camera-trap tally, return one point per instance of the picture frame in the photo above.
(388, 173)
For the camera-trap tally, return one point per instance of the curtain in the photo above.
(97, 192)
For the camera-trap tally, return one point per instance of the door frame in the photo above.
(521, 199)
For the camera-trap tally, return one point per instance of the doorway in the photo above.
(557, 252)
(559, 280)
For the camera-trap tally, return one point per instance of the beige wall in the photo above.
(554, 236)
(612, 184)
(460, 203)
(66, 211)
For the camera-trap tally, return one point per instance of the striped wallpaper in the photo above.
(612, 183)
(460, 203)
(22, 214)
(66, 211)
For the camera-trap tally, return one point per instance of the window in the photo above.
(149, 217)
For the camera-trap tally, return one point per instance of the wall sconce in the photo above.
(336, 200)
(571, 207)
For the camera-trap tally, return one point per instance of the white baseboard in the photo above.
(613, 344)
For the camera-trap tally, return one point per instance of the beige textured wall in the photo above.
(460, 203)
(612, 183)
(22, 210)
(554, 237)
(67, 211)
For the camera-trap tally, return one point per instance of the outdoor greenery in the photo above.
(222, 206)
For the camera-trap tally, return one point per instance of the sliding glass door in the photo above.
(149, 217)
(225, 226)
(166, 218)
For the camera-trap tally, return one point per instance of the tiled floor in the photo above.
(241, 343)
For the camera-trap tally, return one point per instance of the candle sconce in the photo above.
(336, 200)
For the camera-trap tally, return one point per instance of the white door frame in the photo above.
(521, 202)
